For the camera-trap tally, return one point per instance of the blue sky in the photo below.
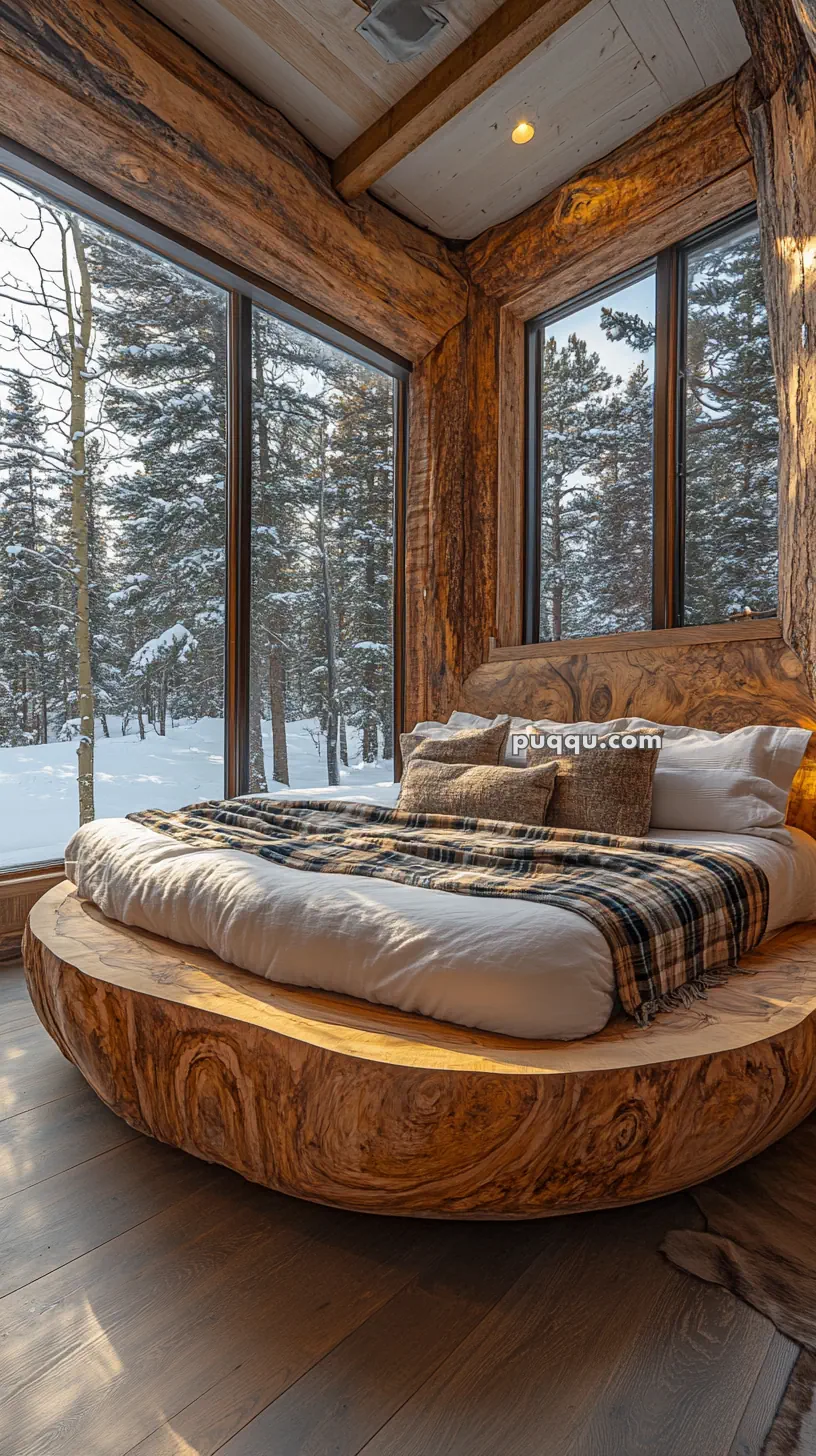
(618, 358)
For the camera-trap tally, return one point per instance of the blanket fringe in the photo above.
(685, 995)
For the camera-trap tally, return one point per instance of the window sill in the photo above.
(746, 629)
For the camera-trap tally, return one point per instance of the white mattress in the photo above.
(503, 965)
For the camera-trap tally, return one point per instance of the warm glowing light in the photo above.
(522, 133)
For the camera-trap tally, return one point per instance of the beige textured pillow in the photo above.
(474, 745)
(606, 790)
(478, 791)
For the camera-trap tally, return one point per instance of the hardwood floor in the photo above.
(151, 1305)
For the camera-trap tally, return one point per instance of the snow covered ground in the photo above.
(38, 789)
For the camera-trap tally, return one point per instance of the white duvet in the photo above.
(503, 965)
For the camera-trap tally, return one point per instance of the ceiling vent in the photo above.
(402, 29)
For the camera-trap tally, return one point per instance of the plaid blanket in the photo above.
(674, 916)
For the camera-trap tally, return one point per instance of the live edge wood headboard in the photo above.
(710, 677)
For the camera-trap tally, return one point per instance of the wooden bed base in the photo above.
(368, 1108)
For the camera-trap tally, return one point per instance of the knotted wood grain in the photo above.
(782, 120)
(720, 684)
(363, 1107)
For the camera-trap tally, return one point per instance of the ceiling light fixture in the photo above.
(522, 133)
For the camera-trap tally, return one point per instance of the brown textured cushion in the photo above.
(474, 745)
(607, 790)
(477, 791)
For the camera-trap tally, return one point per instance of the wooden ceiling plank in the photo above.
(499, 44)
(655, 32)
(245, 55)
(714, 36)
(335, 24)
(327, 67)
(598, 97)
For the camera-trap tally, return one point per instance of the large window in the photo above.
(321, 669)
(652, 443)
(166, 443)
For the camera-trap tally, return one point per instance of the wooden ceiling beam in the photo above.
(117, 99)
(500, 43)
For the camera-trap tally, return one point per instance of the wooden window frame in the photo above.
(244, 291)
(669, 268)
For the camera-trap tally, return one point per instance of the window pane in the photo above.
(731, 434)
(597, 373)
(321, 680)
(112, 462)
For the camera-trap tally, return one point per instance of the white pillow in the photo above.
(732, 783)
(432, 729)
(735, 783)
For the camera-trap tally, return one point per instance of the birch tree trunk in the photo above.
(274, 630)
(277, 713)
(332, 695)
(257, 767)
(781, 116)
(79, 338)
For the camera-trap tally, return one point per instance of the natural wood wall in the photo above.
(112, 95)
(690, 168)
(782, 119)
(434, 544)
(484, 428)
(465, 500)
(453, 509)
(17, 895)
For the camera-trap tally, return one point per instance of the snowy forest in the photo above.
(112, 538)
(597, 443)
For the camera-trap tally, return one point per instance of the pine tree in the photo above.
(26, 575)
(620, 566)
(732, 437)
(165, 355)
(362, 451)
(573, 390)
(285, 416)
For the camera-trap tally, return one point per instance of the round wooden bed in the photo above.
(368, 1108)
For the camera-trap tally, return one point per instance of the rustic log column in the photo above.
(482, 441)
(782, 121)
(434, 530)
(456, 459)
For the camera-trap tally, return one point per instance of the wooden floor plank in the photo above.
(21, 1017)
(58, 1135)
(73, 1212)
(345, 1399)
(545, 1357)
(326, 1302)
(765, 1397)
(15, 1002)
(155, 1306)
(156, 1318)
(32, 1071)
(12, 981)
(682, 1389)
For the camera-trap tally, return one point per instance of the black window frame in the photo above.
(670, 270)
(244, 290)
